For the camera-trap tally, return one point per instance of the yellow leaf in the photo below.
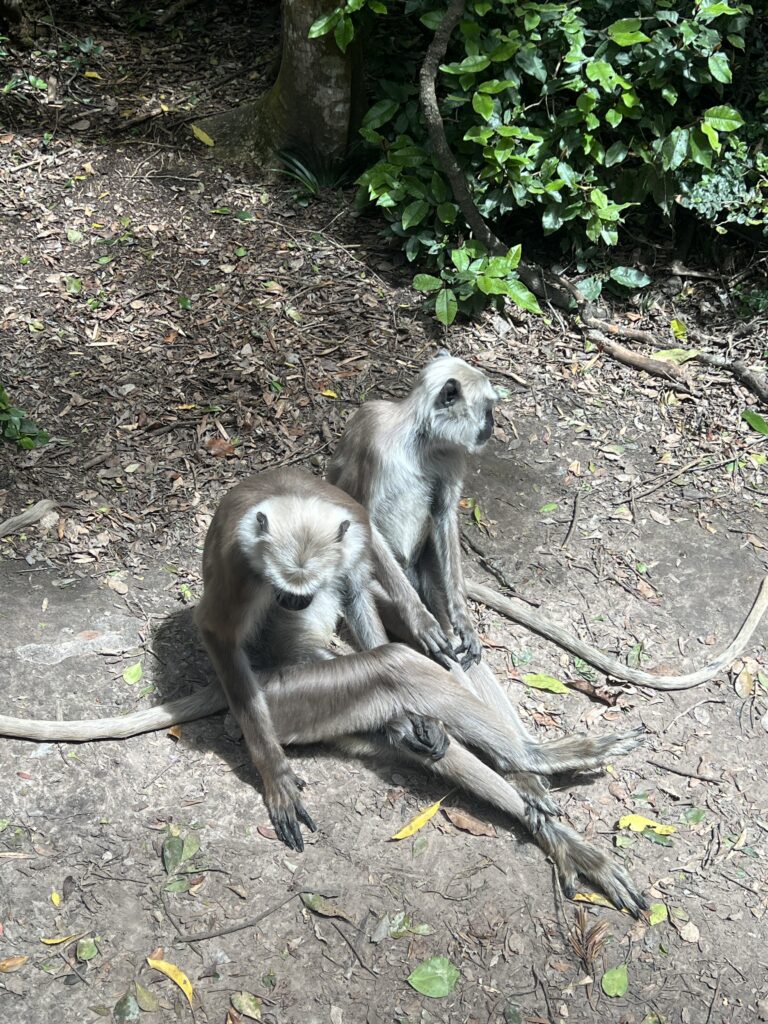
(329, 394)
(91, 74)
(418, 822)
(175, 731)
(593, 897)
(172, 971)
(58, 940)
(202, 136)
(188, 405)
(637, 823)
(55, 899)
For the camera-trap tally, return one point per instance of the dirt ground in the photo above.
(175, 327)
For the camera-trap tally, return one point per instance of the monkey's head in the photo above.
(457, 402)
(300, 546)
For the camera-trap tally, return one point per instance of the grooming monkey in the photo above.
(405, 462)
(285, 556)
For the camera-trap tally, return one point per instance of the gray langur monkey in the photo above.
(405, 462)
(286, 555)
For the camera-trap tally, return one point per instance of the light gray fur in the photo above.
(405, 462)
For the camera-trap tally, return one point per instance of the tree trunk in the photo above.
(312, 111)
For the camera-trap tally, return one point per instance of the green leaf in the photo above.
(755, 421)
(146, 999)
(522, 297)
(87, 949)
(178, 885)
(590, 288)
(719, 68)
(675, 355)
(414, 213)
(616, 981)
(173, 849)
(628, 277)
(434, 978)
(447, 212)
(190, 848)
(344, 33)
(723, 119)
(710, 133)
(380, 113)
(670, 95)
(626, 32)
(615, 153)
(74, 285)
(446, 307)
(551, 506)
(74, 236)
(601, 71)
(247, 1004)
(483, 105)
(530, 61)
(674, 149)
(460, 259)
(431, 19)
(694, 815)
(540, 681)
(657, 913)
(133, 673)
(427, 283)
(126, 1010)
(323, 25)
(470, 65)
(491, 285)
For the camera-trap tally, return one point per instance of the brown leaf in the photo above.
(175, 732)
(266, 832)
(468, 823)
(220, 448)
(12, 963)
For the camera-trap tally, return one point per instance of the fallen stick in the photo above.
(26, 518)
(537, 623)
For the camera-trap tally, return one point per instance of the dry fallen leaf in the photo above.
(689, 932)
(220, 448)
(468, 823)
(418, 822)
(175, 974)
(12, 963)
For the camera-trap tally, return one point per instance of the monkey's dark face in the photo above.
(293, 602)
(462, 409)
(487, 428)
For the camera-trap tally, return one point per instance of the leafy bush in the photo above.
(570, 119)
(14, 425)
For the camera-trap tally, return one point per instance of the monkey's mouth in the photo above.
(293, 602)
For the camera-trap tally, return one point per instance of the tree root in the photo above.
(614, 669)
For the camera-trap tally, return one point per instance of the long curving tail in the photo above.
(197, 705)
(521, 613)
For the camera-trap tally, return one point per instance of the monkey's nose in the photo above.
(293, 602)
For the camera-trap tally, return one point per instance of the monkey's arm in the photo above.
(445, 519)
(424, 628)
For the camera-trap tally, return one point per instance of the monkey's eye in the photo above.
(450, 392)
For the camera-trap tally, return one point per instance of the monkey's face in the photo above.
(462, 402)
(300, 547)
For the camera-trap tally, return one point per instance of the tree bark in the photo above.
(313, 109)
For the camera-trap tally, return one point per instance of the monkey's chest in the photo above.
(402, 516)
(291, 637)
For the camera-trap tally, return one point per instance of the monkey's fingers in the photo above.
(304, 817)
(287, 830)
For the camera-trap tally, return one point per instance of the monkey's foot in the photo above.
(579, 753)
(574, 858)
(428, 633)
(469, 643)
(419, 733)
(286, 810)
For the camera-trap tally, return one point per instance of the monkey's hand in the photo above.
(469, 641)
(286, 810)
(428, 634)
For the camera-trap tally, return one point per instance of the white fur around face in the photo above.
(301, 550)
(458, 424)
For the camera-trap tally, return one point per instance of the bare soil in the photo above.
(174, 328)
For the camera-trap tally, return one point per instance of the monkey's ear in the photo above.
(263, 522)
(343, 527)
(450, 392)
(442, 353)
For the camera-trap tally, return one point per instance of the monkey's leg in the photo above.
(572, 856)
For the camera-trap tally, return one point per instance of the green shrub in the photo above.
(568, 119)
(14, 425)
